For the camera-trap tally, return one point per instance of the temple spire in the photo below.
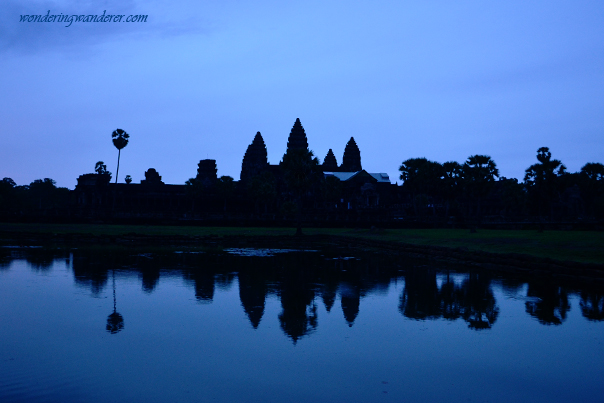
(330, 164)
(255, 158)
(297, 138)
(351, 162)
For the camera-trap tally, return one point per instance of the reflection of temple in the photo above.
(300, 282)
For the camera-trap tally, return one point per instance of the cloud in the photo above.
(36, 37)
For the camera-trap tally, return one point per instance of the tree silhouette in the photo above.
(120, 140)
(421, 178)
(7, 193)
(592, 188)
(451, 183)
(128, 179)
(543, 180)
(101, 169)
(479, 173)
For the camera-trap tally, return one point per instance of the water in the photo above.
(279, 325)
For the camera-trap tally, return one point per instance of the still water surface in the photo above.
(243, 325)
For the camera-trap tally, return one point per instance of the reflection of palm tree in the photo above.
(450, 300)
(480, 309)
(479, 173)
(115, 321)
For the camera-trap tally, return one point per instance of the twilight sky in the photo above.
(425, 78)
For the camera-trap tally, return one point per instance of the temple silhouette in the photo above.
(343, 192)
(301, 189)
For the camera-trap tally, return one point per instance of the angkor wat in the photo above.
(261, 193)
(300, 188)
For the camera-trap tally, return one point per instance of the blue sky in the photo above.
(437, 79)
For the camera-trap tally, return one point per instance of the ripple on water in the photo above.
(262, 252)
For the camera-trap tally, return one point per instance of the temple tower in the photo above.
(329, 163)
(152, 177)
(206, 172)
(297, 138)
(255, 159)
(351, 162)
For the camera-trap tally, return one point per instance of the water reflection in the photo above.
(301, 280)
(550, 302)
(115, 321)
(473, 300)
(592, 305)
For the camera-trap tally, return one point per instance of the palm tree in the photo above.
(543, 180)
(451, 183)
(120, 140)
(421, 178)
(479, 173)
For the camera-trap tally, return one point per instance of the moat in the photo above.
(325, 325)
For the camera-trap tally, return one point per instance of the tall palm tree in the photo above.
(543, 181)
(120, 140)
(479, 173)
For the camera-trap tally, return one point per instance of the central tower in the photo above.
(297, 138)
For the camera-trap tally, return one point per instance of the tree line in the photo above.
(470, 192)
(475, 189)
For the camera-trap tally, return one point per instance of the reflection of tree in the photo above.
(5, 260)
(473, 300)
(40, 259)
(512, 285)
(115, 321)
(89, 273)
(420, 299)
(450, 304)
(592, 305)
(552, 304)
(479, 307)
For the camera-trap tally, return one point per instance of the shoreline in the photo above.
(373, 241)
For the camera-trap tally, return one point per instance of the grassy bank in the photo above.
(577, 246)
